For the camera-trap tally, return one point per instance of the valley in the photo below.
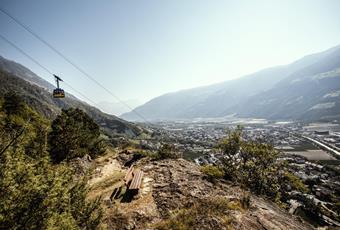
(169, 115)
(311, 150)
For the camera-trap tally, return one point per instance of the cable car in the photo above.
(58, 92)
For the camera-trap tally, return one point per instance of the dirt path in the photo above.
(107, 175)
(103, 172)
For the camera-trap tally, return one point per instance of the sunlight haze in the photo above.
(142, 49)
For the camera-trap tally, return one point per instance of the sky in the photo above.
(144, 48)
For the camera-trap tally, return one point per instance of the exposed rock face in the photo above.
(81, 165)
(178, 184)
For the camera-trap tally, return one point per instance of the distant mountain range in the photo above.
(307, 89)
(37, 92)
(117, 108)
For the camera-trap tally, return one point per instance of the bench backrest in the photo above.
(128, 177)
(137, 179)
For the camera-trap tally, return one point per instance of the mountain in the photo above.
(37, 93)
(239, 96)
(117, 107)
(312, 93)
(21, 71)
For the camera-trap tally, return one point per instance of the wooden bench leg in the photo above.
(119, 191)
(113, 193)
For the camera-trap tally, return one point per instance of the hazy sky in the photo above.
(141, 49)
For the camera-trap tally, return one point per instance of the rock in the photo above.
(81, 164)
(179, 184)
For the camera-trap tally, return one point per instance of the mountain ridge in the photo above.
(38, 93)
(225, 98)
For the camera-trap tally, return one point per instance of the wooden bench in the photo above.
(133, 178)
(137, 179)
(128, 176)
(132, 181)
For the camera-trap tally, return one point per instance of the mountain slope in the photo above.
(224, 98)
(24, 73)
(312, 93)
(37, 93)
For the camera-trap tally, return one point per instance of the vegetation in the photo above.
(200, 215)
(35, 194)
(255, 166)
(74, 134)
(167, 151)
(212, 172)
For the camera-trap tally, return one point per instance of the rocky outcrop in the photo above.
(179, 184)
(177, 189)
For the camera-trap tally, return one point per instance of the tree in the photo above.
(230, 147)
(13, 103)
(253, 164)
(74, 134)
(18, 117)
(35, 194)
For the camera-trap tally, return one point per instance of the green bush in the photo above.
(37, 195)
(167, 151)
(212, 172)
(255, 166)
(294, 182)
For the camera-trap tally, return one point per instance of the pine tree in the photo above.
(74, 134)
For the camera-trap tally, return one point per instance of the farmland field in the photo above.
(315, 154)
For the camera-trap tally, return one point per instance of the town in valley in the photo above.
(312, 151)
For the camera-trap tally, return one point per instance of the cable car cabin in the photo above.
(58, 93)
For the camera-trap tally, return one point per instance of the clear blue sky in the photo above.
(141, 49)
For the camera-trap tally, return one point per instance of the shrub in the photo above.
(167, 151)
(294, 182)
(212, 172)
(254, 165)
(37, 195)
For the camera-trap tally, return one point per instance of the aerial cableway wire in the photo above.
(42, 66)
(49, 72)
(28, 29)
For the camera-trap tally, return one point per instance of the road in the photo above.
(323, 145)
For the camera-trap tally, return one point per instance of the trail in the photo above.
(103, 172)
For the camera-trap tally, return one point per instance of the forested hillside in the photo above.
(42, 101)
(34, 192)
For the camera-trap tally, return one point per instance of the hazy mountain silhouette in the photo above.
(263, 94)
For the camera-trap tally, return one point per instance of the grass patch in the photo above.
(205, 213)
(106, 185)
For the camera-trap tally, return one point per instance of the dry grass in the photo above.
(107, 174)
(106, 185)
(204, 212)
